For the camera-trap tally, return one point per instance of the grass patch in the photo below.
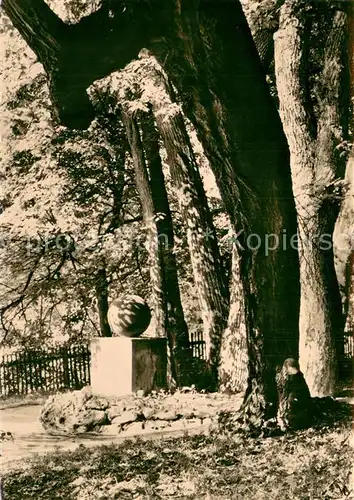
(308, 465)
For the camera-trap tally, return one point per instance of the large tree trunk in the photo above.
(315, 169)
(227, 100)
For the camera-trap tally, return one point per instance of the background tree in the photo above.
(66, 194)
(201, 237)
(80, 235)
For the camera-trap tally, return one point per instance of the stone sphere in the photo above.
(128, 316)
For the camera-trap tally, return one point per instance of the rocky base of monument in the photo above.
(79, 412)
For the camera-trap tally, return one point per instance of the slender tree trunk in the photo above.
(205, 258)
(152, 245)
(176, 324)
(315, 170)
(102, 301)
(149, 216)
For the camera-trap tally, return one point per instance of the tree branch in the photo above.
(74, 56)
(39, 26)
(17, 301)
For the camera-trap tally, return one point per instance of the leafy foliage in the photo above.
(71, 209)
(66, 198)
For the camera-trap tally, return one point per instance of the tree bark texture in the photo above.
(152, 239)
(233, 368)
(147, 205)
(313, 136)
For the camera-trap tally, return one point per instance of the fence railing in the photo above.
(50, 370)
(46, 370)
(197, 345)
(349, 345)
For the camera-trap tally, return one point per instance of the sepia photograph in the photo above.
(177, 249)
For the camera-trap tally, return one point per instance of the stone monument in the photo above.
(126, 363)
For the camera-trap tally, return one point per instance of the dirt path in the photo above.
(31, 439)
(29, 436)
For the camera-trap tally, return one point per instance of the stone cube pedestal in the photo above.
(121, 365)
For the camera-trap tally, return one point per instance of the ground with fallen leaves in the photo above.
(308, 465)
